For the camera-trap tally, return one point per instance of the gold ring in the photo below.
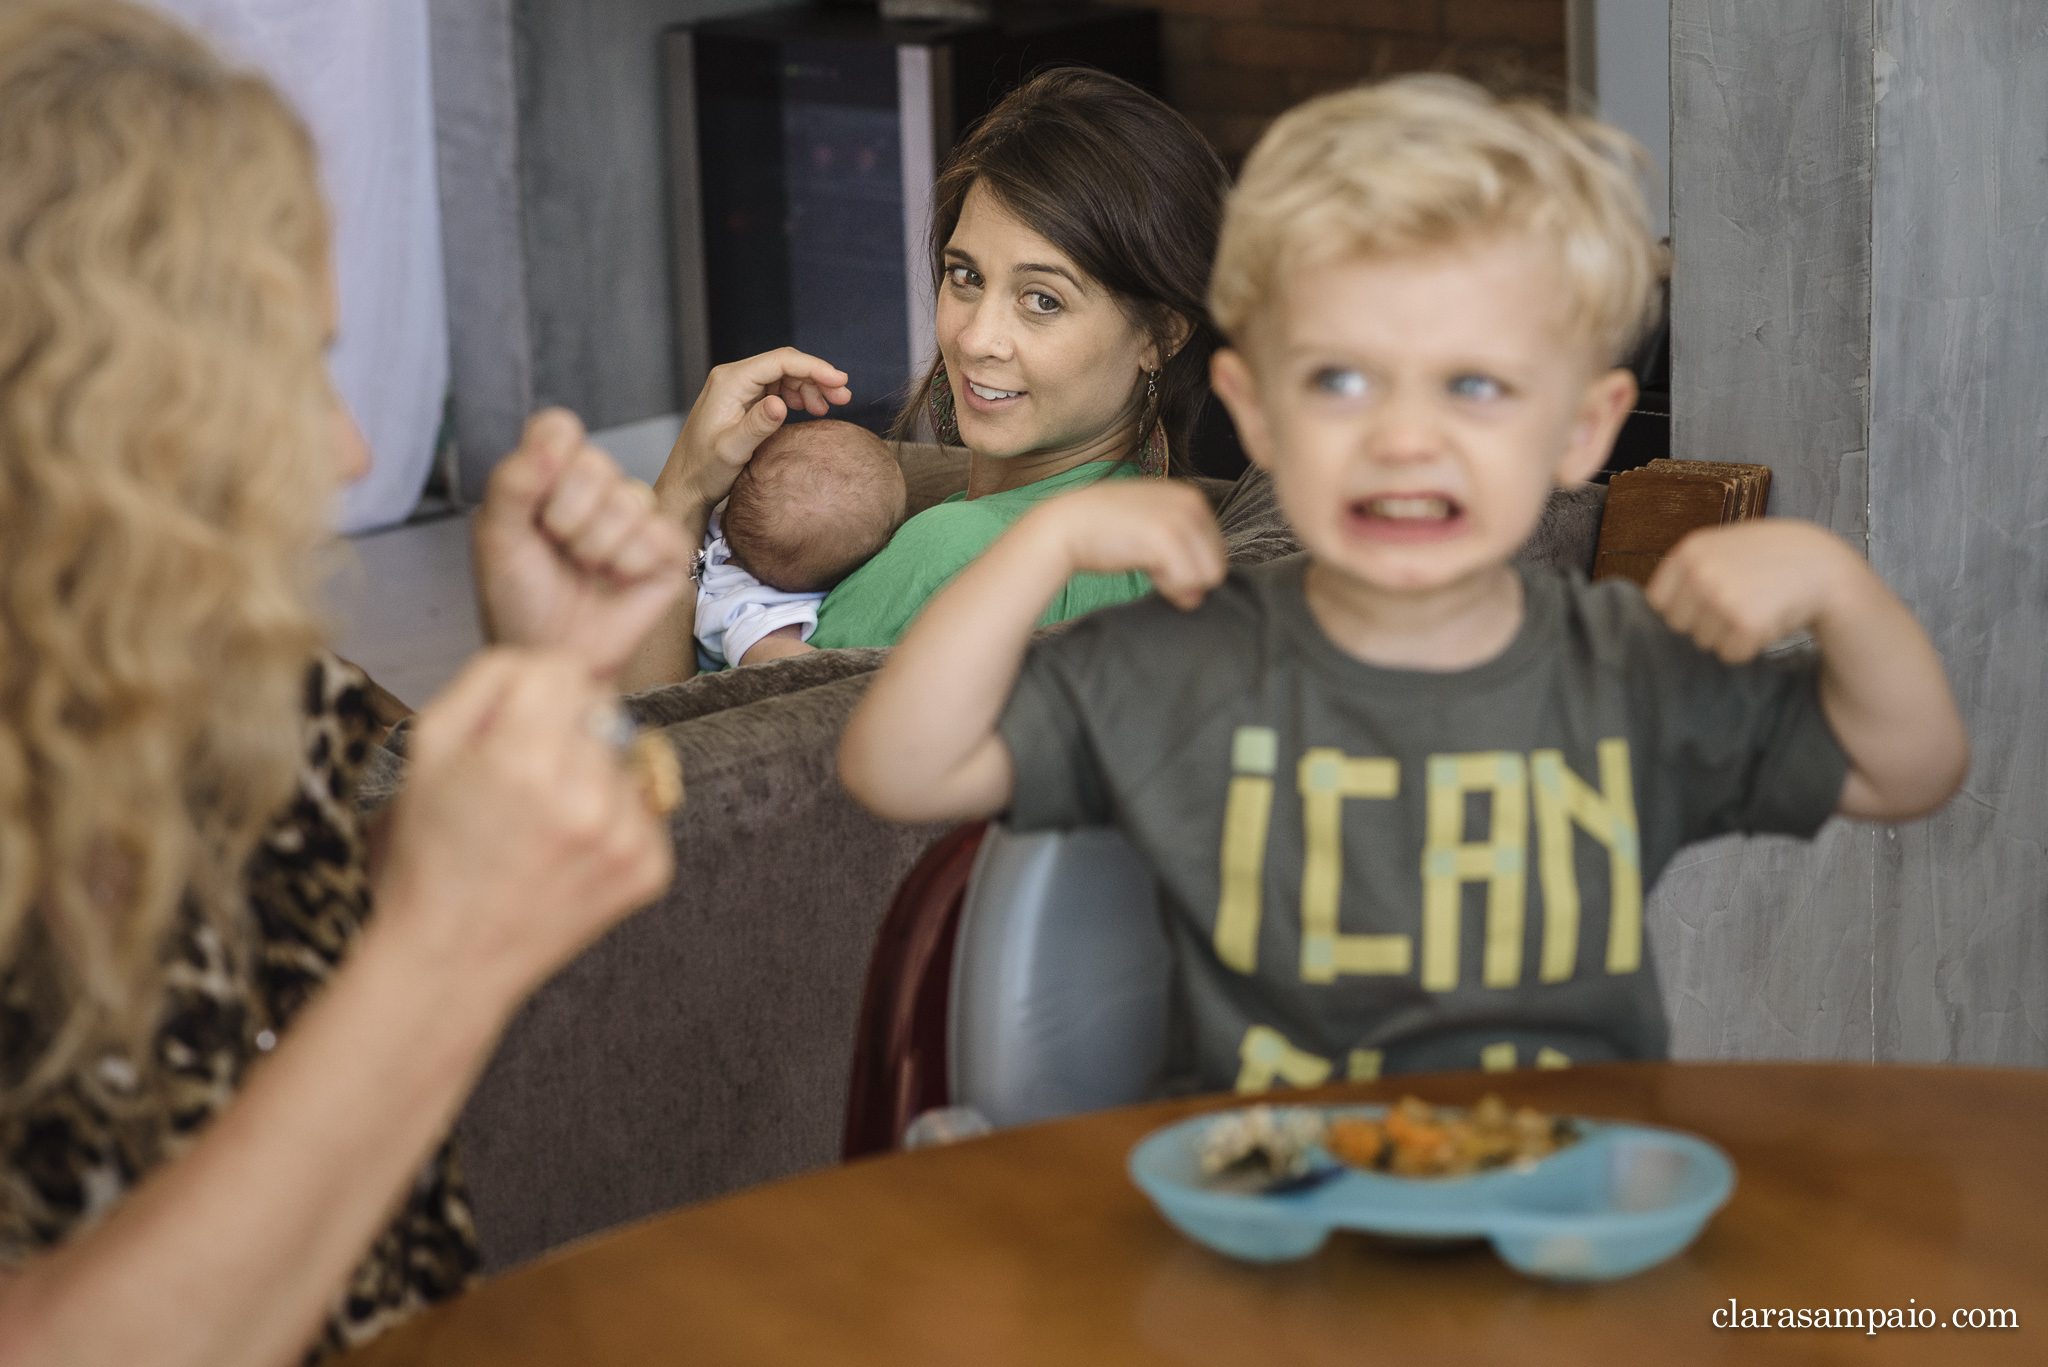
(646, 754)
(643, 492)
(653, 761)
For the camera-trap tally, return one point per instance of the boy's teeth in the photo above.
(1432, 508)
(986, 393)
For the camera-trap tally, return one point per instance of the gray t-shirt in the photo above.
(1369, 870)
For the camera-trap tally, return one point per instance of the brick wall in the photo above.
(1231, 65)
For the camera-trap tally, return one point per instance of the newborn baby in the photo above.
(815, 502)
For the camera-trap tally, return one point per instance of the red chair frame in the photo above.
(899, 1053)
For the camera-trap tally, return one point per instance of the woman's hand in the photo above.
(520, 835)
(570, 554)
(742, 405)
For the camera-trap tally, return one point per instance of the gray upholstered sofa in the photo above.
(704, 1045)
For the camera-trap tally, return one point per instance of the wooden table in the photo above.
(1857, 1186)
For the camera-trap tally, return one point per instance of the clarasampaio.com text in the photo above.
(1870, 1319)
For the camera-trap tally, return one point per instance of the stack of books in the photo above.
(1651, 508)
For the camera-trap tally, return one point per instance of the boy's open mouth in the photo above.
(1406, 516)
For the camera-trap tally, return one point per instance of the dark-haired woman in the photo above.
(1072, 232)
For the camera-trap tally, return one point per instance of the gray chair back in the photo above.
(1060, 978)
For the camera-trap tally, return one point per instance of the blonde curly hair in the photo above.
(1421, 162)
(165, 418)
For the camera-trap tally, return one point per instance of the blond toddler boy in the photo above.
(1404, 796)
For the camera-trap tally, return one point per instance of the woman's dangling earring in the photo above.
(1152, 457)
(938, 403)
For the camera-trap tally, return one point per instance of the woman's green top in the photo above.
(875, 604)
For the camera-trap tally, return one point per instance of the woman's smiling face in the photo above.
(1041, 358)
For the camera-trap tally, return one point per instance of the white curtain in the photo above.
(358, 71)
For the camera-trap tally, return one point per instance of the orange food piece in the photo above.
(1426, 1149)
(1421, 1140)
(1409, 1118)
(1356, 1142)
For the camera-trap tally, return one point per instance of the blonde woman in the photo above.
(224, 1086)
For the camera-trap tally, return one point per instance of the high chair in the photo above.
(1047, 953)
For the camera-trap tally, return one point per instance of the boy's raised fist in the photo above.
(1738, 588)
(1166, 530)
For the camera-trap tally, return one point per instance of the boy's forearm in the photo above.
(923, 744)
(1887, 699)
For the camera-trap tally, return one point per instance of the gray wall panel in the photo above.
(476, 149)
(592, 126)
(1771, 125)
(1959, 431)
(1823, 150)
(1766, 947)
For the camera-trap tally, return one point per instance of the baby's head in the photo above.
(817, 499)
(1429, 292)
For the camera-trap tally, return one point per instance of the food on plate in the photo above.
(1416, 1139)
(1253, 1149)
(1276, 1149)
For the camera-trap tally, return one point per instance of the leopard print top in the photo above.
(67, 1158)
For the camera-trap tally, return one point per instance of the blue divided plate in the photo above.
(1624, 1198)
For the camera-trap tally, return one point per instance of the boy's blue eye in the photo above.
(1477, 387)
(1340, 383)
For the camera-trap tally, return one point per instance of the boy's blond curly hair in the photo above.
(1421, 162)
